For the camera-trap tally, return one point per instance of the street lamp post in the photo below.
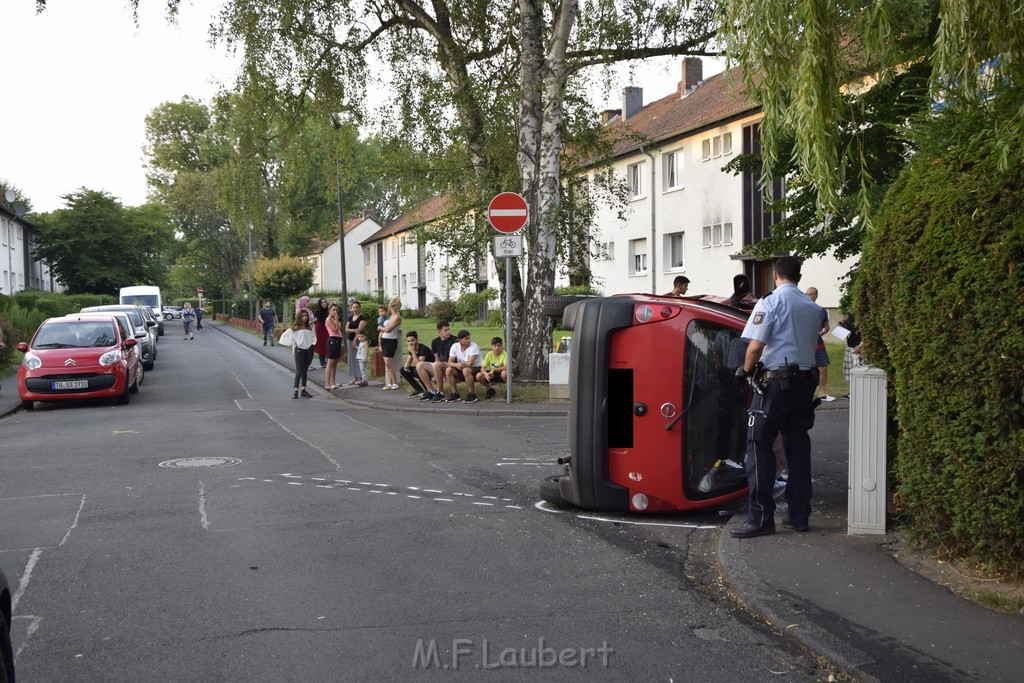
(251, 314)
(341, 234)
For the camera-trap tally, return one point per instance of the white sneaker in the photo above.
(394, 386)
(825, 398)
(386, 387)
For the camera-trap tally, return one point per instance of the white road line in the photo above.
(202, 506)
(444, 500)
(32, 628)
(408, 496)
(295, 483)
(26, 576)
(432, 491)
(627, 521)
(73, 523)
(308, 443)
(487, 504)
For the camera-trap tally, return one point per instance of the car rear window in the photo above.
(75, 335)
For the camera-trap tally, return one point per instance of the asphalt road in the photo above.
(345, 544)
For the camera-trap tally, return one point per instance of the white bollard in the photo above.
(868, 493)
(558, 376)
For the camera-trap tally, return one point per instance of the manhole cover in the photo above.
(199, 463)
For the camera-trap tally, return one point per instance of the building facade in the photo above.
(326, 261)
(18, 269)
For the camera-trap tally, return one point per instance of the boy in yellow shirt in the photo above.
(495, 367)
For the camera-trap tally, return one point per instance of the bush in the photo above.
(939, 295)
(581, 290)
(494, 318)
(23, 321)
(442, 309)
(12, 335)
(469, 305)
(280, 277)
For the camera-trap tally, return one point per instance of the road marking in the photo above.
(26, 576)
(74, 523)
(305, 441)
(202, 506)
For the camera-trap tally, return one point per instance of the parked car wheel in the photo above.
(554, 305)
(148, 364)
(126, 395)
(28, 405)
(134, 388)
(550, 493)
(6, 651)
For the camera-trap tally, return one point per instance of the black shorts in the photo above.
(334, 348)
(388, 347)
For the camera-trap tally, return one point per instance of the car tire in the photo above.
(167, 316)
(148, 365)
(134, 388)
(550, 493)
(28, 405)
(553, 306)
(6, 652)
(126, 395)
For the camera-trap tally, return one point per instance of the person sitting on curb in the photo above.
(495, 367)
(432, 374)
(418, 353)
(463, 364)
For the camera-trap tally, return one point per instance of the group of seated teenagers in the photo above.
(452, 359)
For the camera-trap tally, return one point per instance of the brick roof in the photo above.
(716, 100)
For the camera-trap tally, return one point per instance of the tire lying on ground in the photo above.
(550, 493)
(555, 304)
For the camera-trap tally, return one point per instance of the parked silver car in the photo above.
(144, 330)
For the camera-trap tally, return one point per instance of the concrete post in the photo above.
(868, 493)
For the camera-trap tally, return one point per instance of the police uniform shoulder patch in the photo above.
(758, 318)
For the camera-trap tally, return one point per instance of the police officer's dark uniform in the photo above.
(783, 333)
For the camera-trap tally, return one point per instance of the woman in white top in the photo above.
(389, 332)
(301, 336)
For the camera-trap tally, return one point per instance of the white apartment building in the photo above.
(18, 269)
(686, 215)
(326, 261)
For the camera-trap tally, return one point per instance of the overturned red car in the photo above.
(657, 419)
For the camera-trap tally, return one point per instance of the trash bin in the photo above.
(377, 363)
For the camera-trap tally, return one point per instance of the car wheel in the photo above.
(148, 365)
(550, 493)
(554, 305)
(167, 316)
(134, 388)
(6, 651)
(126, 395)
(28, 405)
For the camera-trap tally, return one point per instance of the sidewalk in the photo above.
(843, 597)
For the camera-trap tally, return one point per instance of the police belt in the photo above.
(792, 371)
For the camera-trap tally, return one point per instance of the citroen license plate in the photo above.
(70, 384)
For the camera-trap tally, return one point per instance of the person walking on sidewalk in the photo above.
(301, 336)
(188, 317)
(268, 315)
(820, 354)
(199, 318)
(782, 333)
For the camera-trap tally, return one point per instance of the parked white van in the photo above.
(145, 295)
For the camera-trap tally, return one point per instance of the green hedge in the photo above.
(939, 295)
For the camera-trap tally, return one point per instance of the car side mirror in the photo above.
(150, 323)
(22, 346)
(130, 342)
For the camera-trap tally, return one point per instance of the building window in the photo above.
(635, 176)
(716, 146)
(444, 279)
(673, 169)
(430, 275)
(674, 251)
(637, 257)
(405, 284)
(366, 255)
(706, 236)
(716, 235)
(726, 233)
(605, 251)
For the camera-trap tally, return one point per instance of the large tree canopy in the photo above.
(96, 245)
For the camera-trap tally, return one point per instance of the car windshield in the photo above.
(141, 300)
(75, 335)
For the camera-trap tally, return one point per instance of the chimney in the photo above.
(693, 75)
(632, 101)
(608, 114)
(368, 213)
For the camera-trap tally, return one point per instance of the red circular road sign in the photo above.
(508, 212)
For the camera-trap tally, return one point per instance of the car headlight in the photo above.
(32, 361)
(110, 357)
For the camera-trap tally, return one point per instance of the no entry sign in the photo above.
(508, 212)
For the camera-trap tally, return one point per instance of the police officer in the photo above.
(782, 333)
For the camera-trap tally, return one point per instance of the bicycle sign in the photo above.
(508, 246)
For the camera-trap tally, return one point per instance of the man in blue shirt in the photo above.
(782, 333)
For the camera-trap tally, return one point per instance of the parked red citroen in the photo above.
(76, 357)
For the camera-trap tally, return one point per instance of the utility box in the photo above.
(558, 377)
(868, 492)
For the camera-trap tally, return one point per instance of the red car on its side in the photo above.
(79, 357)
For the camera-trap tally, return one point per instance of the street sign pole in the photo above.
(507, 213)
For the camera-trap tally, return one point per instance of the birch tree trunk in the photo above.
(543, 77)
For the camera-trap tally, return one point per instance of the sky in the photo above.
(84, 76)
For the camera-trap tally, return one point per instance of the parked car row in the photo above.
(101, 351)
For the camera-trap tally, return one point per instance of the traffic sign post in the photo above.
(508, 212)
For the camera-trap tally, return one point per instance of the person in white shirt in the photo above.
(301, 336)
(463, 364)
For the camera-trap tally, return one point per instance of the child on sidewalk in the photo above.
(362, 351)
